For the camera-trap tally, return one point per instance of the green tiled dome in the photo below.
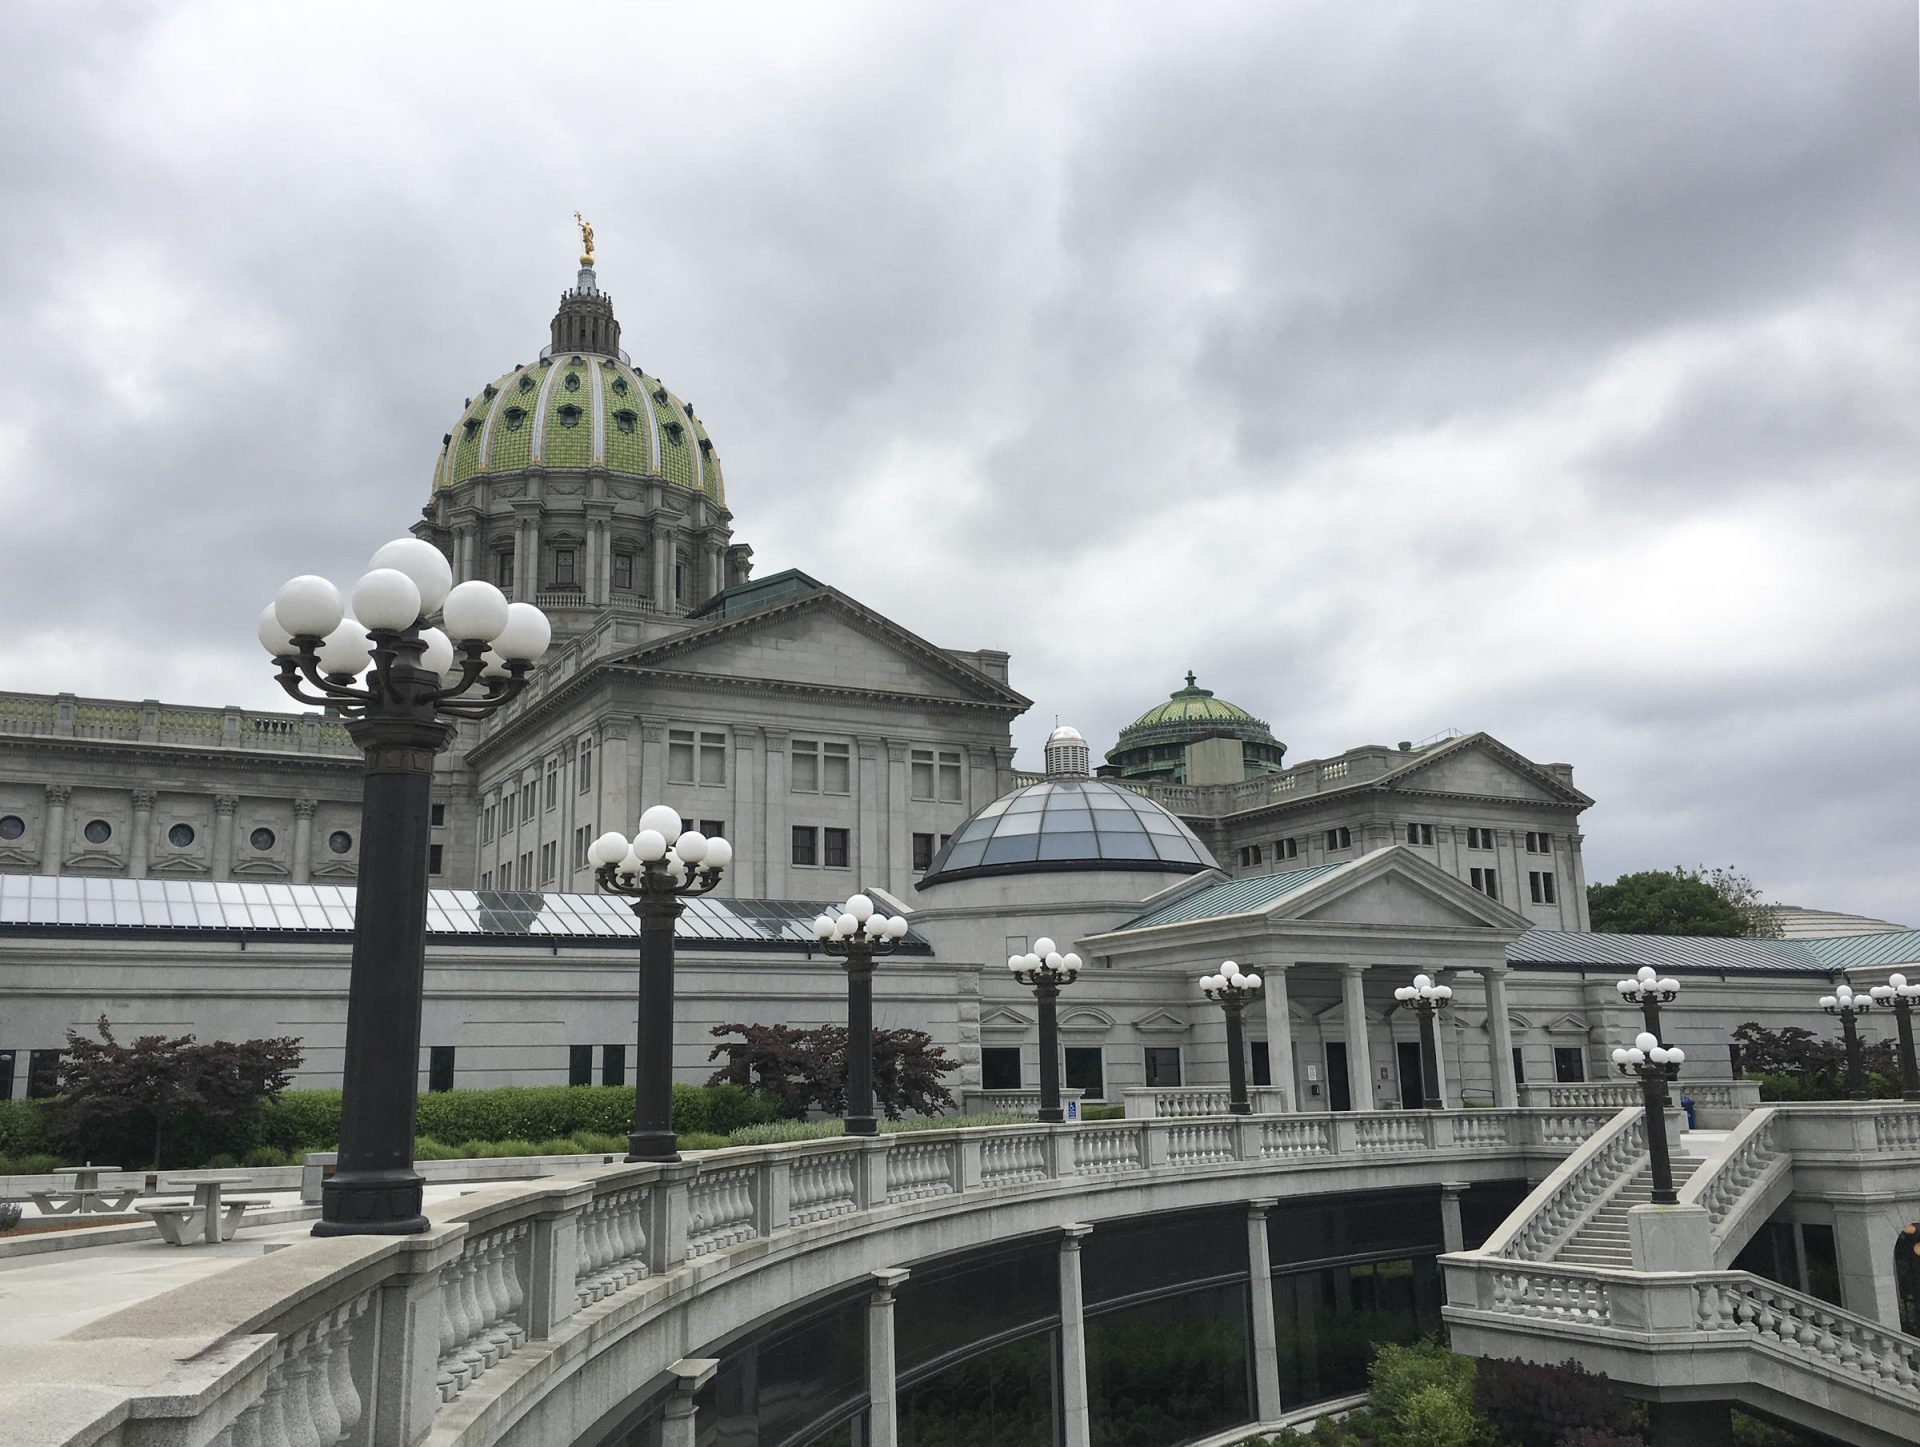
(1153, 746)
(1191, 704)
(580, 410)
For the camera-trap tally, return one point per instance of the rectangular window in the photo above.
(438, 816)
(1249, 855)
(586, 765)
(1163, 1065)
(623, 572)
(837, 844)
(1286, 849)
(486, 823)
(440, 1067)
(1487, 881)
(486, 879)
(1519, 1067)
(1419, 833)
(679, 579)
(1541, 885)
(804, 777)
(949, 778)
(553, 785)
(1261, 1060)
(679, 756)
(529, 799)
(1000, 1067)
(506, 812)
(836, 769)
(922, 781)
(806, 841)
(43, 1073)
(1341, 838)
(613, 1065)
(713, 758)
(579, 1065)
(6, 1075)
(714, 828)
(1479, 838)
(526, 870)
(563, 567)
(1539, 843)
(503, 572)
(582, 837)
(1086, 1071)
(435, 856)
(549, 861)
(1569, 1064)
(922, 853)
(506, 874)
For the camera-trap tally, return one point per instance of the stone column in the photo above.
(1279, 1032)
(677, 1422)
(1864, 1238)
(223, 807)
(1266, 1347)
(883, 1426)
(303, 839)
(747, 778)
(140, 847)
(653, 770)
(1353, 1005)
(773, 831)
(1506, 1095)
(870, 866)
(1576, 883)
(1453, 1231)
(53, 849)
(666, 548)
(1076, 1418)
(899, 825)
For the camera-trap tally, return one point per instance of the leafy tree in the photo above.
(1534, 1405)
(122, 1100)
(807, 1069)
(1679, 902)
(1763, 921)
(1806, 1066)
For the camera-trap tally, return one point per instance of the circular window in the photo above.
(98, 831)
(180, 836)
(261, 839)
(12, 826)
(340, 842)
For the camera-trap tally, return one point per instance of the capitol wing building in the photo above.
(190, 867)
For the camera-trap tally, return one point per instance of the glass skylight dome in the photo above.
(1069, 824)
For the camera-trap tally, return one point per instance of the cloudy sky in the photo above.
(1543, 369)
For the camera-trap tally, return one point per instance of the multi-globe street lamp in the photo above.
(662, 866)
(1045, 969)
(1655, 1065)
(1897, 995)
(1849, 1007)
(1233, 991)
(1427, 1000)
(859, 934)
(1649, 991)
(398, 682)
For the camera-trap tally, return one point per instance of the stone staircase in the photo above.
(1603, 1240)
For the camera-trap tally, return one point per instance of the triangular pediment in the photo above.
(1004, 1018)
(826, 641)
(1160, 1022)
(1395, 887)
(1480, 766)
(1568, 1025)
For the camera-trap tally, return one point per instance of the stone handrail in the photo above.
(1717, 1104)
(67, 716)
(1741, 1184)
(1010, 1102)
(1161, 1102)
(365, 1339)
(1577, 1188)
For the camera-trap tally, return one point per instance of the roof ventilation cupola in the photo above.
(1067, 754)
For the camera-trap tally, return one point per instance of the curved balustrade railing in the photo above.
(1718, 1104)
(445, 1315)
(1741, 1183)
(1582, 1184)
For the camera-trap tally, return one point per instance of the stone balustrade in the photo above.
(370, 1339)
(1577, 1188)
(1717, 1104)
(68, 716)
(1163, 1103)
(1742, 1184)
(1010, 1102)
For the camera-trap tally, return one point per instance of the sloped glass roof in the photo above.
(32, 903)
(1067, 824)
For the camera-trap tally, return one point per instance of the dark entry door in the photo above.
(1339, 1092)
(1411, 1093)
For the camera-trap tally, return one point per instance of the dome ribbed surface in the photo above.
(1067, 824)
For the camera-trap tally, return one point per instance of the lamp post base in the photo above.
(862, 1125)
(1051, 1115)
(371, 1203)
(653, 1145)
(1239, 1107)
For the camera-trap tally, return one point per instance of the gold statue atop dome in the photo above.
(586, 239)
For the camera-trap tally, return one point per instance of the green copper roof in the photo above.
(575, 411)
(1189, 705)
(1235, 896)
(758, 593)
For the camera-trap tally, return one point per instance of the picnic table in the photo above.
(86, 1197)
(212, 1216)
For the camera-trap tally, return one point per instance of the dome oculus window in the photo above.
(514, 417)
(619, 386)
(473, 427)
(12, 826)
(659, 394)
(340, 842)
(674, 432)
(98, 831)
(625, 420)
(569, 416)
(261, 839)
(526, 383)
(181, 836)
(572, 383)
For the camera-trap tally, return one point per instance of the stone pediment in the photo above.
(1567, 1025)
(1085, 1017)
(1480, 766)
(1004, 1019)
(1396, 887)
(1160, 1022)
(827, 641)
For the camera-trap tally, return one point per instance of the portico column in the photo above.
(1279, 1031)
(223, 807)
(303, 839)
(677, 1427)
(883, 1427)
(1073, 1342)
(54, 848)
(1864, 1238)
(1266, 1347)
(1353, 1005)
(1453, 1231)
(142, 840)
(1506, 1095)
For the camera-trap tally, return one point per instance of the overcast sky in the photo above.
(1543, 369)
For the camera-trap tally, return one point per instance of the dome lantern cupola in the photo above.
(1067, 754)
(1161, 744)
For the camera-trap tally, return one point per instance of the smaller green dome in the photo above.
(1154, 745)
(1191, 704)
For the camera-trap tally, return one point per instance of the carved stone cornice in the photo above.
(173, 755)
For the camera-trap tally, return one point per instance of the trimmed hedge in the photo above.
(23, 1127)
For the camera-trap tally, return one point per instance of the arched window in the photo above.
(572, 384)
(619, 386)
(514, 417)
(625, 419)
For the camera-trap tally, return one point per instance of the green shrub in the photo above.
(1435, 1416)
(778, 1132)
(23, 1127)
(222, 1161)
(589, 1143)
(301, 1121)
(34, 1164)
(267, 1156)
(426, 1148)
(1107, 1112)
(700, 1140)
(1399, 1373)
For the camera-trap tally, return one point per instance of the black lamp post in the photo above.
(1427, 1000)
(1232, 992)
(1647, 990)
(398, 684)
(1897, 995)
(1849, 1007)
(659, 868)
(859, 935)
(1655, 1064)
(1046, 970)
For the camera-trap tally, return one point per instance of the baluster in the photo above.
(321, 1410)
(346, 1393)
(296, 1396)
(451, 1378)
(271, 1422)
(472, 1351)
